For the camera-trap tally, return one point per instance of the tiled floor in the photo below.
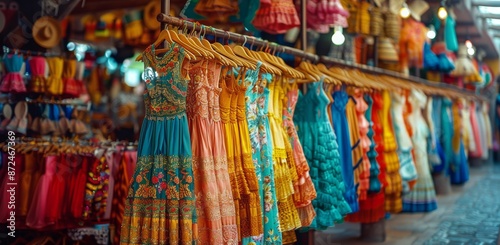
(470, 215)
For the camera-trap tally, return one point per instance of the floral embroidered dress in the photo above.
(305, 192)
(321, 151)
(209, 188)
(160, 206)
(227, 207)
(257, 97)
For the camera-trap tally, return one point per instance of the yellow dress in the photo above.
(54, 81)
(284, 166)
(357, 151)
(250, 207)
(393, 200)
(225, 113)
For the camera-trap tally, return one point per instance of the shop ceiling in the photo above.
(477, 20)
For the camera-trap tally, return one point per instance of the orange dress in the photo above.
(210, 177)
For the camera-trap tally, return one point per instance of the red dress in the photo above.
(276, 16)
(38, 215)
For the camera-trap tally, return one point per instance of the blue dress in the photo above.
(437, 163)
(341, 126)
(321, 151)
(160, 206)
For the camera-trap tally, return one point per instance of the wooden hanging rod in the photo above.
(174, 21)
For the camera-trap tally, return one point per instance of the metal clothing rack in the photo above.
(174, 21)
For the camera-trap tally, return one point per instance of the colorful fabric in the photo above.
(160, 206)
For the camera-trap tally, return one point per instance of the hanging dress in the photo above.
(160, 206)
(321, 151)
(208, 195)
(393, 201)
(422, 197)
(341, 126)
(407, 170)
(438, 166)
(257, 97)
(55, 84)
(364, 142)
(228, 212)
(468, 137)
(37, 217)
(276, 16)
(250, 207)
(28, 176)
(13, 80)
(355, 142)
(284, 167)
(476, 131)
(447, 133)
(432, 148)
(372, 209)
(38, 81)
(305, 192)
(459, 169)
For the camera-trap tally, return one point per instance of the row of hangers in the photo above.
(196, 48)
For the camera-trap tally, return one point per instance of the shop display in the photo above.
(208, 136)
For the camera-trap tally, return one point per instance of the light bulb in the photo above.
(404, 11)
(431, 33)
(468, 44)
(471, 51)
(338, 38)
(442, 13)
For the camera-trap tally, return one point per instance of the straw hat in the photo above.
(150, 12)
(47, 32)
(386, 51)
(417, 8)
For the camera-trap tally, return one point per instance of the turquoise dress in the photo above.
(375, 184)
(446, 134)
(450, 35)
(322, 154)
(341, 127)
(260, 138)
(160, 206)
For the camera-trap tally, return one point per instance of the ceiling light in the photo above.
(431, 33)
(471, 51)
(404, 11)
(338, 38)
(468, 44)
(442, 13)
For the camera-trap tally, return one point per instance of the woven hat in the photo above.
(386, 51)
(47, 32)
(150, 12)
(417, 8)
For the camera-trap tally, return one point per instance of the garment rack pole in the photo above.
(165, 9)
(174, 21)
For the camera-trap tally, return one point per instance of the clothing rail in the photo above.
(174, 21)
(7, 50)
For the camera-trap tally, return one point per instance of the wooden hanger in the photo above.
(240, 62)
(167, 35)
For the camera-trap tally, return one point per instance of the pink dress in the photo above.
(476, 131)
(227, 207)
(37, 215)
(276, 16)
(321, 14)
(13, 81)
(38, 81)
(304, 191)
(209, 175)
